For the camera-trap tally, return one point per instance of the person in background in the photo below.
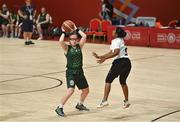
(107, 10)
(27, 12)
(4, 17)
(43, 22)
(158, 24)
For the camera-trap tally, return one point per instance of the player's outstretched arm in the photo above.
(110, 54)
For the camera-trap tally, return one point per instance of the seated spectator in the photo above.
(158, 25)
(4, 15)
(43, 22)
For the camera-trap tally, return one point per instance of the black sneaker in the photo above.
(81, 107)
(26, 43)
(30, 42)
(60, 111)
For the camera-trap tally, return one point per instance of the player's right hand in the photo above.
(95, 55)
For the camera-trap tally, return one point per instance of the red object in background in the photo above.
(110, 33)
(153, 37)
(136, 36)
(165, 38)
(82, 11)
(104, 29)
(94, 26)
(174, 23)
(79, 11)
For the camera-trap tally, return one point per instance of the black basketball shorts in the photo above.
(76, 77)
(120, 67)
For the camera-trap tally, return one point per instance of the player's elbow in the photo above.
(116, 52)
(84, 36)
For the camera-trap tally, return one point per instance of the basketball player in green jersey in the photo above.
(74, 72)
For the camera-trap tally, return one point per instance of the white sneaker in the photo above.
(126, 104)
(103, 104)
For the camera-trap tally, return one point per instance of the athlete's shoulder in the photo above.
(78, 45)
(116, 41)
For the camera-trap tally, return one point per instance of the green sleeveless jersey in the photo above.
(74, 57)
(3, 20)
(20, 19)
(42, 17)
(14, 17)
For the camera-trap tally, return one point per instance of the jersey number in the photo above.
(126, 54)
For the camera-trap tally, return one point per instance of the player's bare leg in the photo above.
(107, 90)
(125, 92)
(59, 109)
(80, 105)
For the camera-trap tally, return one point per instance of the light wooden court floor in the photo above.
(32, 82)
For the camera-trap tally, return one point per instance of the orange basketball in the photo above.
(68, 26)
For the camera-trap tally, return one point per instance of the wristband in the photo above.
(63, 32)
(77, 30)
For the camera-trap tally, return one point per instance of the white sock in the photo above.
(19, 34)
(80, 102)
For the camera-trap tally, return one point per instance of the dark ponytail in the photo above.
(120, 32)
